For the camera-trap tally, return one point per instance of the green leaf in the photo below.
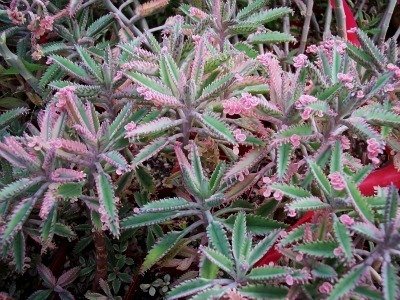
(216, 86)
(160, 249)
(19, 251)
(368, 293)
(147, 219)
(99, 25)
(283, 159)
(291, 190)
(70, 67)
(216, 176)
(390, 280)
(250, 159)
(146, 81)
(336, 62)
(150, 150)
(218, 239)
(47, 230)
(320, 270)
(308, 203)
(262, 247)
(145, 179)
(214, 293)
(90, 63)
(167, 204)
(159, 125)
(16, 188)
(379, 85)
(263, 291)
(359, 202)
(250, 8)
(219, 259)
(391, 206)
(271, 37)
(256, 224)
(268, 273)
(343, 237)
(107, 199)
(318, 248)
(336, 158)
(371, 49)
(217, 127)
(17, 219)
(70, 190)
(40, 295)
(320, 177)
(11, 114)
(188, 288)
(293, 236)
(368, 231)
(269, 15)
(238, 235)
(208, 270)
(346, 283)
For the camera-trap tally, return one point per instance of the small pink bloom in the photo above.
(47, 23)
(266, 180)
(304, 100)
(295, 140)
(136, 210)
(300, 61)
(346, 220)
(299, 257)
(325, 288)
(392, 67)
(130, 126)
(235, 150)
(360, 94)
(388, 88)
(239, 136)
(306, 114)
(289, 280)
(291, 212)
(278, 195)
(267, 192)
(374, 148)
(338, 251)
(312, 49)
(337, 181)
(345, 142)
(16, 16)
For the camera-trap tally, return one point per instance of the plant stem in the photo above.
(14, 61)
(101, 258)
(340, 18)
(384, 25)
(286, 28)
(306, 26)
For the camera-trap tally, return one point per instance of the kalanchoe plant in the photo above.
(200, 146)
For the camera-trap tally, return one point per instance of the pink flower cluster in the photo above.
(295, 140)
(395, 69)
(39, 26)
(16, 16)
(302, 103)
(345, 142)
(64, 95)
(325, 288)
(346, 220)
(337, 181)
(239, 135)
(346, 79)
(197, 13)
(374, 148)
(244, 105)
(300, 61)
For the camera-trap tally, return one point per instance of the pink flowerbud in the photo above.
(278, 195)
(338, 251)
(289, 280)
(267, 192)
(299, 257)
(266, 180)
(337, 181)
(312, 49)
(300, 61)
(374, 148)
(240, 177)
(345, 142)
(235, 150)
(239, 136)
(360, 94)
(295, 140)
(325, 288)
(346, 220)
(306, 114)
(304, 100)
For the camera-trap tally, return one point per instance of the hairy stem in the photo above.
(306, 26)
(340, 18)
(328, 21)
(14, 61)
(101, 258)
(384, 25)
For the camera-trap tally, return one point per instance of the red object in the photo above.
(381, 177)
(350, 22)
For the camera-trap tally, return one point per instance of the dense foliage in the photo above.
(167, 150)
